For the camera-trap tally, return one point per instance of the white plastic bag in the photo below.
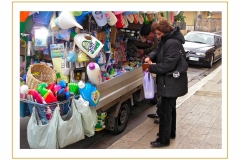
(42, 136)
(89, 117)
(148, 85)
(70, 128)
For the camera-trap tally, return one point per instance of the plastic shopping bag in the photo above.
(88, 115)
(70, 128)
(148, 85)
(42, 136)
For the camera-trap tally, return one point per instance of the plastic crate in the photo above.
(41, 108)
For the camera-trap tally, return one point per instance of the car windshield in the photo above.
(199, 38)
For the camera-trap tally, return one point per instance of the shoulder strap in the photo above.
(182, 51)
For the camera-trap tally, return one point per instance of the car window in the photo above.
(218, 40)
(199, 38)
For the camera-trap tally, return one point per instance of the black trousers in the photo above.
(167, 116)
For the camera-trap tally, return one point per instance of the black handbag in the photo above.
(182, 65)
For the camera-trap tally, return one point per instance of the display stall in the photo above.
(79, 72)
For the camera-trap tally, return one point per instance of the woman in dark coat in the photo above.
(168, 87)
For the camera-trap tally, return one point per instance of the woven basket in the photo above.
(39, 73)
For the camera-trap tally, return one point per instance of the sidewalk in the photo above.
(199, 120)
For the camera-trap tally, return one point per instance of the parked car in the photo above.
(203, 48)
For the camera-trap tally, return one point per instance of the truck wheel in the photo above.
(122, 118)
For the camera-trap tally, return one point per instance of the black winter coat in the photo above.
(167, 86)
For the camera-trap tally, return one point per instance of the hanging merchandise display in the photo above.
(43, 17)
(88, 44)
(82, 16)
(66, 20)
(100, 18)
(111, 18)
(136, 16)
(140, 18)
(120, 21)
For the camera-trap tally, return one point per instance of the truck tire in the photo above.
(122, 118)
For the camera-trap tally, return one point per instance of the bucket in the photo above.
(66, 20)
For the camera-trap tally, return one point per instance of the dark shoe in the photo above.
(172, 136)
(158, 144)
(156, 121)
(154, 115)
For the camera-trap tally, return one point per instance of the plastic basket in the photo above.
(43, 17)
(41, 108)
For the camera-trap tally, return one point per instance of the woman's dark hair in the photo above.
(145, 30)
(162, 25)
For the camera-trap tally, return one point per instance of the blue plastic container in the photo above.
(43, 17)
(23, 109)
(90, 93)
(80, 18)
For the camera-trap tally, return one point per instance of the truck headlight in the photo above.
(200, 54)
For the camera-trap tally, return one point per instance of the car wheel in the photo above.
(122, 118)
(210, 63)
